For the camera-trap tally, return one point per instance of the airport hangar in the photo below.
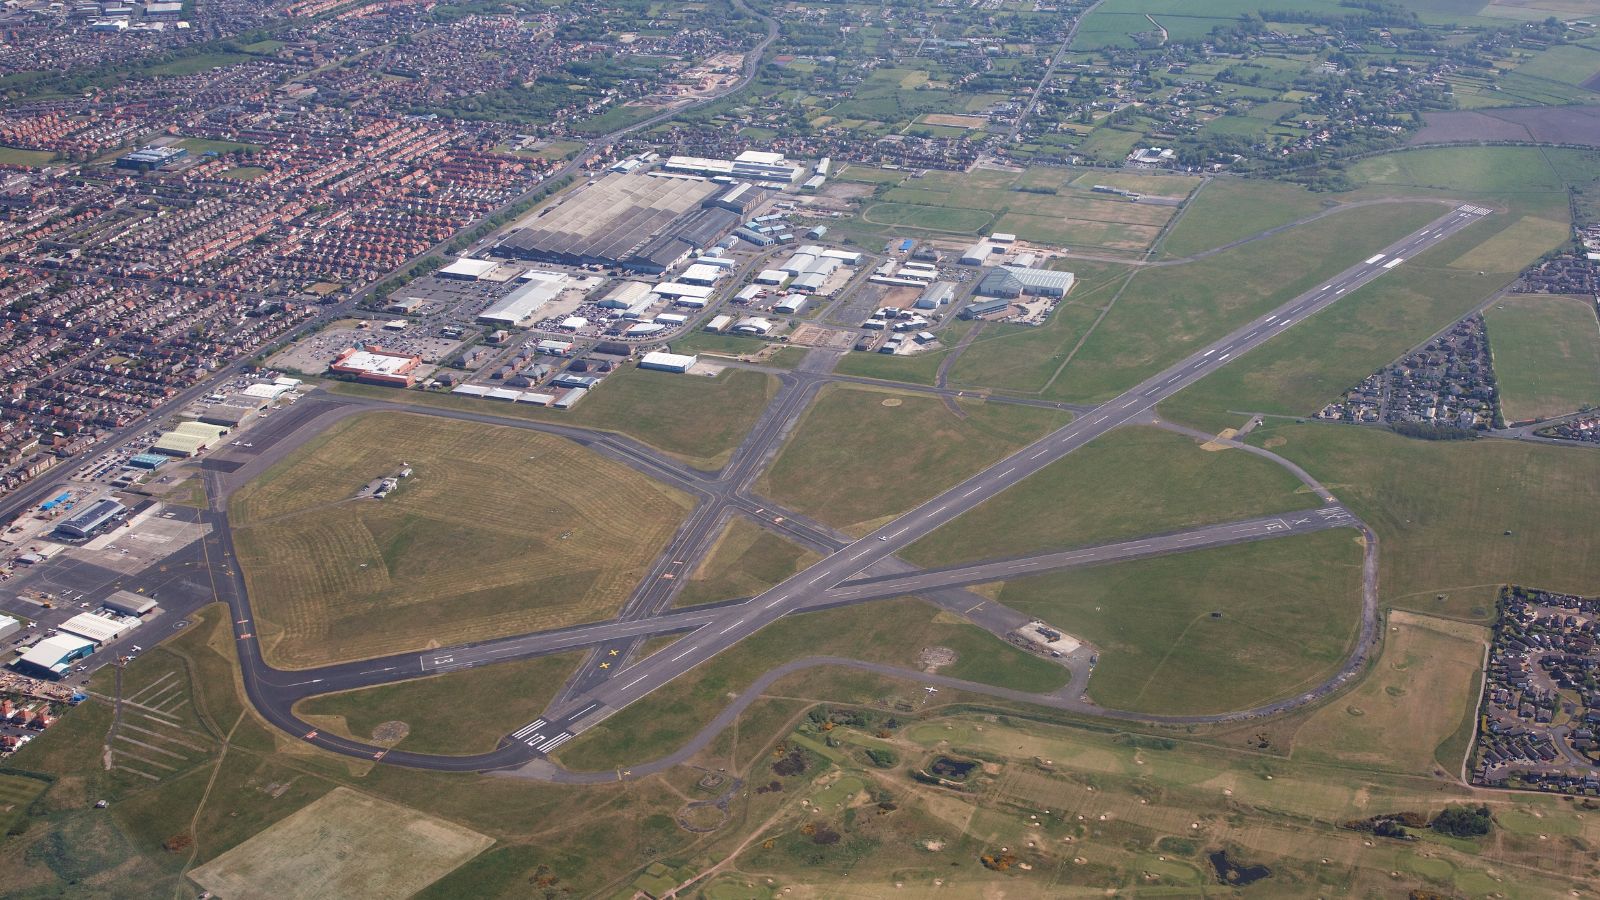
(646, 223)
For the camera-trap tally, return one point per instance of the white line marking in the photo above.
(731, 627)
(1374, 259)
(1223, 357)
(1393, 262)
(635, 681)
(683, 654)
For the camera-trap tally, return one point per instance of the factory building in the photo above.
(53, 657)
(635, 221)
(102, 630)
(147, 159)
(978, 254)
(9, 626)
(519, 307)
(752, 165)
(91, 519)
(771, 277)
(752, 325)
(937, 294)
(719, 324)
(741, 199)
(1014, 281)
(231, 414)
(791, 304)
(982, 307)
(376, 365)
(128, 603)
(625, 295)
(702, 274)
(189, 438)
(668, 362)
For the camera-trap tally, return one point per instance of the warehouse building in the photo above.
(754, 165)
(148, 461)
(128, 603)
(702, 274)
(92, 518)
(636, 221)
(741, 199)
(149, 159)
(189, 438)
(1014, 281)
(233, 413)
(376, 365)
(981, 307)
(791, 304)
(102, 630)
(937, 294)
(9, 626)
(625, 295)
(753, 325)
(978, 254)
(53, 657)
(520, 307)
(668, 362)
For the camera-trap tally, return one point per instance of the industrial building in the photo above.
(791, 304)
(625, 295)
(937, 294)
(754, 165)
(741, 198)
(376, 365)
(635, 221)
(89, 520)
(468, 269)
(128, 603)
(189, 438)
(1015, 281)
(147, 159)
(9, 626)
(978, 254)
(100, 629)
(668, 362)
(519, 307)
(54, 656)
(233, 413)
(982, 307)
(701, 274)
(753, 325)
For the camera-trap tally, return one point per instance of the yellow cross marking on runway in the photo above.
(605, 665)
(615, 652)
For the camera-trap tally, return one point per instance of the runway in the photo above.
(851, 572)
(637, 681)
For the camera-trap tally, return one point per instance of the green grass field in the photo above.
(1166, 313)
(1404, 716)
(860, 454)
(244, 173)
(1290, 611)
(16, 156)
(700, 420)
(887, 631)
(16, 793)
(1132, 482)
(1442, 511)
(198, 146)
(746, 560)
(1301, 370)
(499, 531)
(1024, 358)
(459, 712)
(1227, 209)
(1546, 354)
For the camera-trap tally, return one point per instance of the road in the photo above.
(1050, 71)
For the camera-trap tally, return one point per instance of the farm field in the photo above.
(1546, 354)
(746, 560)
(1166, 313)
(345, 843)
(699, 420)
(1455, 520)
(1132, 482)
(508, 530)
(459, 712)
(887, 631)
(1210, 631)
(861, 454)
